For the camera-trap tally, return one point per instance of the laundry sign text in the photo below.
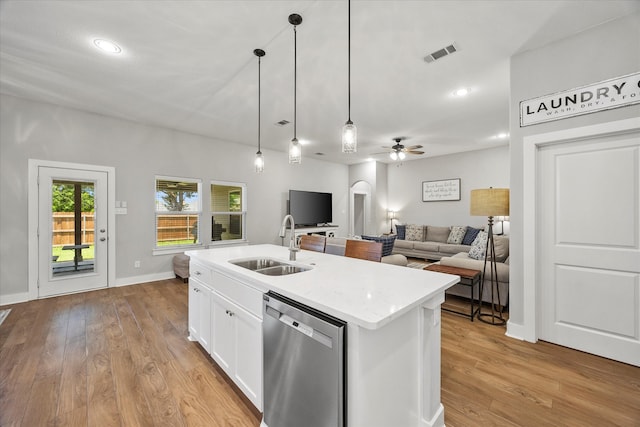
(605, 95)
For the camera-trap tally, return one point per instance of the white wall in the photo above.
(476, 169)
(600, 53)
(139, 152)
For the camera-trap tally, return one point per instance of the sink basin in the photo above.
(257, 263)
(282, 270)
(269, 267)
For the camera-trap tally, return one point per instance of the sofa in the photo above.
(430, 242)
(462, 260)
(446, 245)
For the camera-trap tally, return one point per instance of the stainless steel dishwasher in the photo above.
(304, 365)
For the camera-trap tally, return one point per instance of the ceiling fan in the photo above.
(399, 151)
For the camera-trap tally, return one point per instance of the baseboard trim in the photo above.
(14, 298)
(134, 280)
(515, 330)
(123, 281)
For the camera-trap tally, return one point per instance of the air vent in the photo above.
(441, 53)
(282, 123)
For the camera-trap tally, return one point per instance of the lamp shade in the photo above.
(490, 202)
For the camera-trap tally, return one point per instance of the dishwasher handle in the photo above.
(300, 327)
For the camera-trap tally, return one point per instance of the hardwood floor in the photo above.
(120, 357)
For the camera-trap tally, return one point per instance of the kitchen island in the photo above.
(392, 315)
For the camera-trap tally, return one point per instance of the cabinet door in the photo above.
(194, 311)
(205, 317)
(222, 333)
(248, 370)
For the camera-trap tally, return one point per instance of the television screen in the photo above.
(310, 208)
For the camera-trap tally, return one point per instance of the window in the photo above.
(228, 211)
(178, 209)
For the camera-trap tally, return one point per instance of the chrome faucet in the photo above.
(292, 243)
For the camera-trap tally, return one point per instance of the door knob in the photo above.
(102, 230)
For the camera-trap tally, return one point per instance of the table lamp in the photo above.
(490, 202)
(392, 216)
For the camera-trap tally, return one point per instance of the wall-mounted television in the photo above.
(310, 208)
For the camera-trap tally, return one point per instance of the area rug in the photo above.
(418, 263)
(4, 314)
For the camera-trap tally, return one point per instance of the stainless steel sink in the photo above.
(282, 270)
(269, 267)
(256, 263)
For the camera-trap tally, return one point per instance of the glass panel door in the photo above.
(73, 227)
(72, 230)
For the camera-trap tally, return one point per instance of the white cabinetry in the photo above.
(200, 306)
(329, 231)
(225, 317)
(237, 346)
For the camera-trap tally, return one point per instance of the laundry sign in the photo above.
(605, 95)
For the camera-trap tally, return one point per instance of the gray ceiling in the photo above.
(189, 65)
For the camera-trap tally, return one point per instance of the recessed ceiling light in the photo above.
(502, 135)
(107, 46)
(463, 91)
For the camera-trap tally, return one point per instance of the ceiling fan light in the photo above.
(401, 155)
(393, 155)
(295, 152)
(259, 162)
(349, 138)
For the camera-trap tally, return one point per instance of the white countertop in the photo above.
(366, 293)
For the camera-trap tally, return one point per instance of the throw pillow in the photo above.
(415, 233)
(437, 234)
(501, 245)
(400, 231)
(470, 235)
(457, 234)
(479, 246)
(387, 242)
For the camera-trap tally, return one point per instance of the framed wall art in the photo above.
(440, 191)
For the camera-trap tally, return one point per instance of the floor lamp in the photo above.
(490, 202)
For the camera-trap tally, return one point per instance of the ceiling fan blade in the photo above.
(415, 152)
(414, 147)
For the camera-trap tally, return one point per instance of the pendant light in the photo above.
(349, 131)
(259, 162)
(295, 151)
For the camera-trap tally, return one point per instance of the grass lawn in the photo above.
(67, 255)
(176, 242)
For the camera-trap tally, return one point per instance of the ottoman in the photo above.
(181, 267)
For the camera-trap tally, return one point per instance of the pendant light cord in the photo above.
(349, 56)
(259, 103)
(295, 81)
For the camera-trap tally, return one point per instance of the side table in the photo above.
(468, 277)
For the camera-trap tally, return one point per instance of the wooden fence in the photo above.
(170, 227)
(64, 228)
(176, 227)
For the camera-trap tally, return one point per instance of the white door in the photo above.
(588, 212)
(72, 230)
